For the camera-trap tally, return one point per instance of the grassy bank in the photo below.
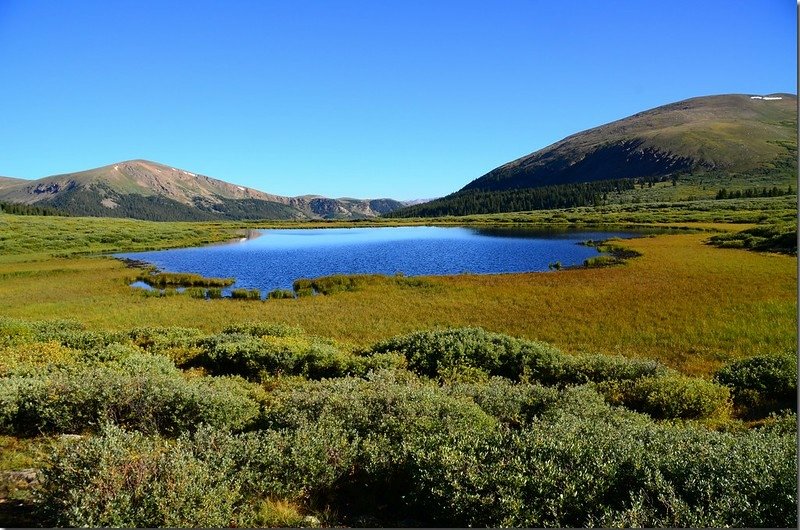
(684, 302)
(27, 238)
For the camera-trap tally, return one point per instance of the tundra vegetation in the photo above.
(264, 423)
(660, 391)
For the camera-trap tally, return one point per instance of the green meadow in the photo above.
(485, 400)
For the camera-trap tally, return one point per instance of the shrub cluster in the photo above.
(670, 397)
(126, 479)
(263, 352)
(775, 237)
(481, 430)
(398, 450)
(121, 385)
(179, 344)
(432, 353)
(762, 380)
(640, 384)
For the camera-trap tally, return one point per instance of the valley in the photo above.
(446, 399)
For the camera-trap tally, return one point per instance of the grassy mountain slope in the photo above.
(688, 149)
(148, 190)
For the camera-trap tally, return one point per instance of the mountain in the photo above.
(414, 202)
(10, 180)
(148, 190)
(723, 135)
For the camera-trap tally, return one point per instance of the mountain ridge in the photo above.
(658, 135)
(145, 189)
(741, 135)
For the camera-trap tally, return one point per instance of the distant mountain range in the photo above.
(737, 134)
(142, 189)
(728, 139)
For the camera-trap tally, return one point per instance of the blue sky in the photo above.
(404, 99)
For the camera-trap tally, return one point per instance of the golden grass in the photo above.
(683, 302)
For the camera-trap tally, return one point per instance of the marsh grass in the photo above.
(172, 279)
(26, 238)
(601, 261)
(688, 304)
(339, 283)
(278, 294)
(246, 294)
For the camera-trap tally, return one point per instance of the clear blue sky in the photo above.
(403, 99)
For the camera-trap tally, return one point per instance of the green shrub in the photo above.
(65, 332)
(432, 353)
(511, 403)
(13, 331)
(579, 369)
(113, 353)
(138, 391)
(438, 353)
(243, 354)
(376, 424)
(784, 422)
(264, 329)
(35, 354)
(179, 344)
(253, 350)
(769, 376)
(673, 396)
(398, 449)
(122, 479)
(569, 472)
(576, 461)
(775, 237)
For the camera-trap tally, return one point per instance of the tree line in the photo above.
(15, 208)
(749, 193)
(541, 198)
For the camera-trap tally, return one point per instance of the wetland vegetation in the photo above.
(394, 400)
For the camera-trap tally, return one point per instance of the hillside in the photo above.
(148, 190)
(714, 141)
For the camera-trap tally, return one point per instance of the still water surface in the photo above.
(275, 258)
